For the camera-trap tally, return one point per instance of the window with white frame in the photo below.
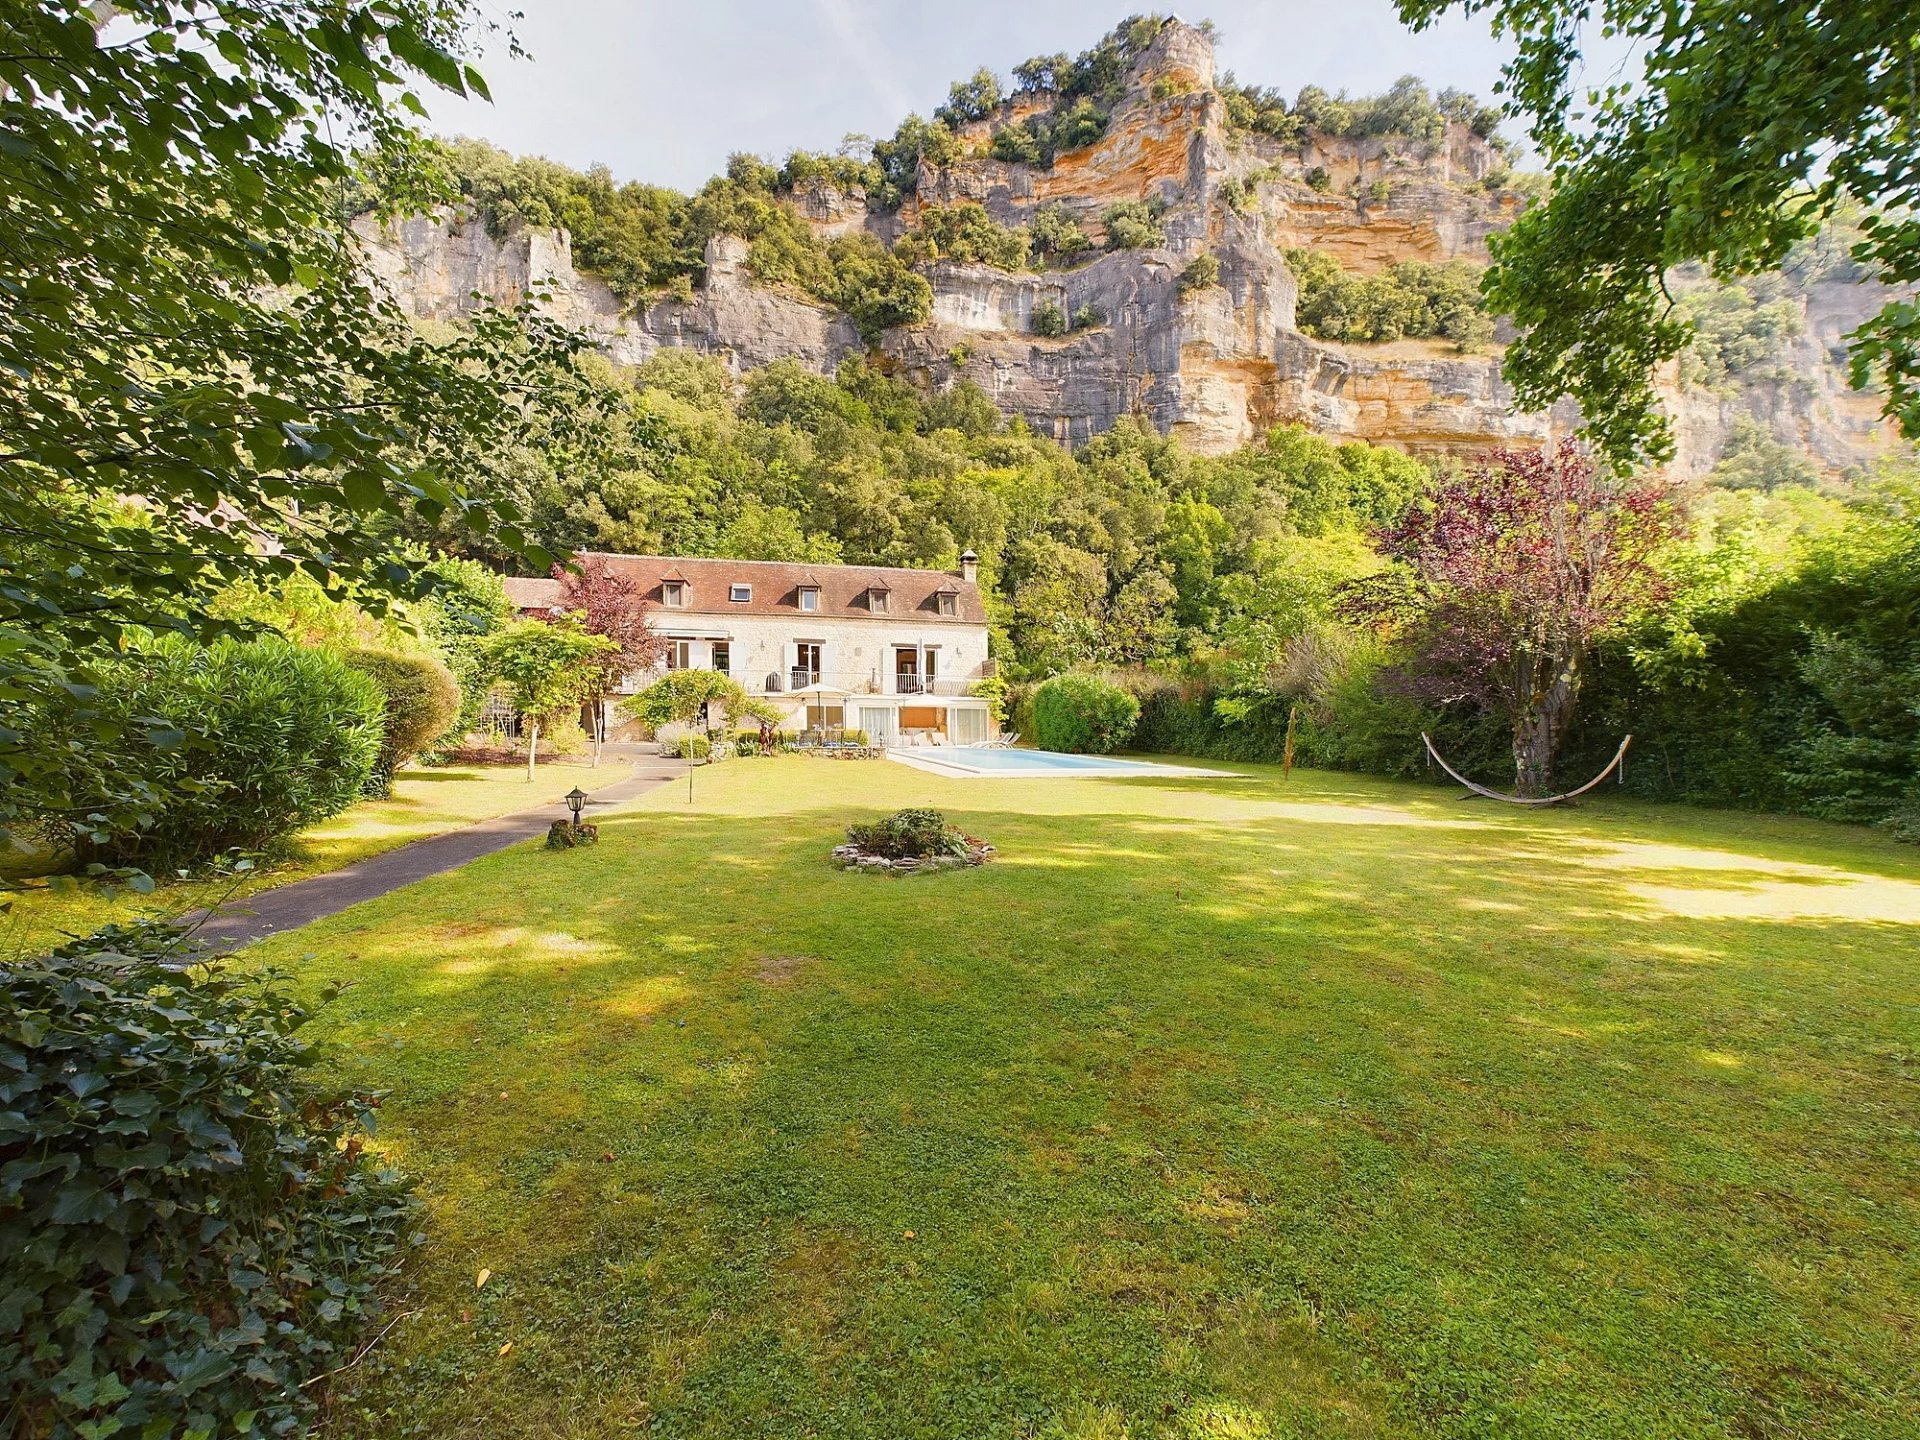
(809, 598)
(679, 654)
(723, 657)
(673, 592)
(739, 594)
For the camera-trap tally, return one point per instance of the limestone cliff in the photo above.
(1216, 366)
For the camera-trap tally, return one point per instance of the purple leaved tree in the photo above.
(608, 604)
(1520, 562)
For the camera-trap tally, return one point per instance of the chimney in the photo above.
(969, 566)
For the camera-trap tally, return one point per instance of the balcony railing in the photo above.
(854, 682)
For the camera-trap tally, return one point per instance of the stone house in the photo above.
(894, 652)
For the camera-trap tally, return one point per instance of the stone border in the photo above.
(852, 857)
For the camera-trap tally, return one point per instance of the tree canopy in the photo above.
(1748, 125)
(198, 383)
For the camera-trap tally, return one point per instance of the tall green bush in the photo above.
(273, 737)
(422, 698)
(191, 1228)
(1083, 714)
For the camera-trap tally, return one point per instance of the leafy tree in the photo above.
(965, 232)
(970, 100)
(1057, 234)
(1201, 273)
(198, 383)
(1042, 72)
(1519, 564)
(547, 669)
(1049, 319)
(1745, 129)
(1409, 299)
(1735, 328)
(875, 287)
(1134, 224)
(1018, 145)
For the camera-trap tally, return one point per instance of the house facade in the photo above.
(896, 653)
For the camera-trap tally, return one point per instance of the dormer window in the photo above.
(739, 594)
(945, 601)
(809, 598)
(877, 599)
(673, 592)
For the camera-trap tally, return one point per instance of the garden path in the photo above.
(241, 922)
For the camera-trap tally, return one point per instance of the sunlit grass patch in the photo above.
(1269, 1108)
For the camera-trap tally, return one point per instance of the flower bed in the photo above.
(907, 841)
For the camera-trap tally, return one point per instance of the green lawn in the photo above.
(424, 802)
(1223, 1108)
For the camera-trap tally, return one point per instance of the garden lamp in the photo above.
(576, 802)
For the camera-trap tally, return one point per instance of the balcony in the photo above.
(855, 682)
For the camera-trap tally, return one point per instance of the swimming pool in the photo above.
(985, 764)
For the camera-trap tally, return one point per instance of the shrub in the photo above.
(1089, 317)
(1049, 319)
(422, 700)
(909, 835)
(1202, 273)
(1057, 234)
(192, 1227)
(1408, 300)
(1318, 179)
(1083, 714)
(691, 747)
(1134, 225)
(276, 738)
(964, 232)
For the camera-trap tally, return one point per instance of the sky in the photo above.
(665, 92)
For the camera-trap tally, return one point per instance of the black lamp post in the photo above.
(576, 802)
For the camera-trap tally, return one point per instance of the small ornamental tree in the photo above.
(608, 604)
(1518, 564)
(546, 668)
(678, 697)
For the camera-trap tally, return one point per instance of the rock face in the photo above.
(1216, 366)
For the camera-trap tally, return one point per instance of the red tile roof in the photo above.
(844, 589)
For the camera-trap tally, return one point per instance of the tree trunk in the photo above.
(533, 748)
(1538, 731)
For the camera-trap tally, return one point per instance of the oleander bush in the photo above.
(191, 1227)
(909, 835)
(422, 700)
(271, 737)
(1083, 714)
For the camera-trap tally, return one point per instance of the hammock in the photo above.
(1612, 765)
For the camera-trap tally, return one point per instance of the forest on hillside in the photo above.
(1776, 669)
